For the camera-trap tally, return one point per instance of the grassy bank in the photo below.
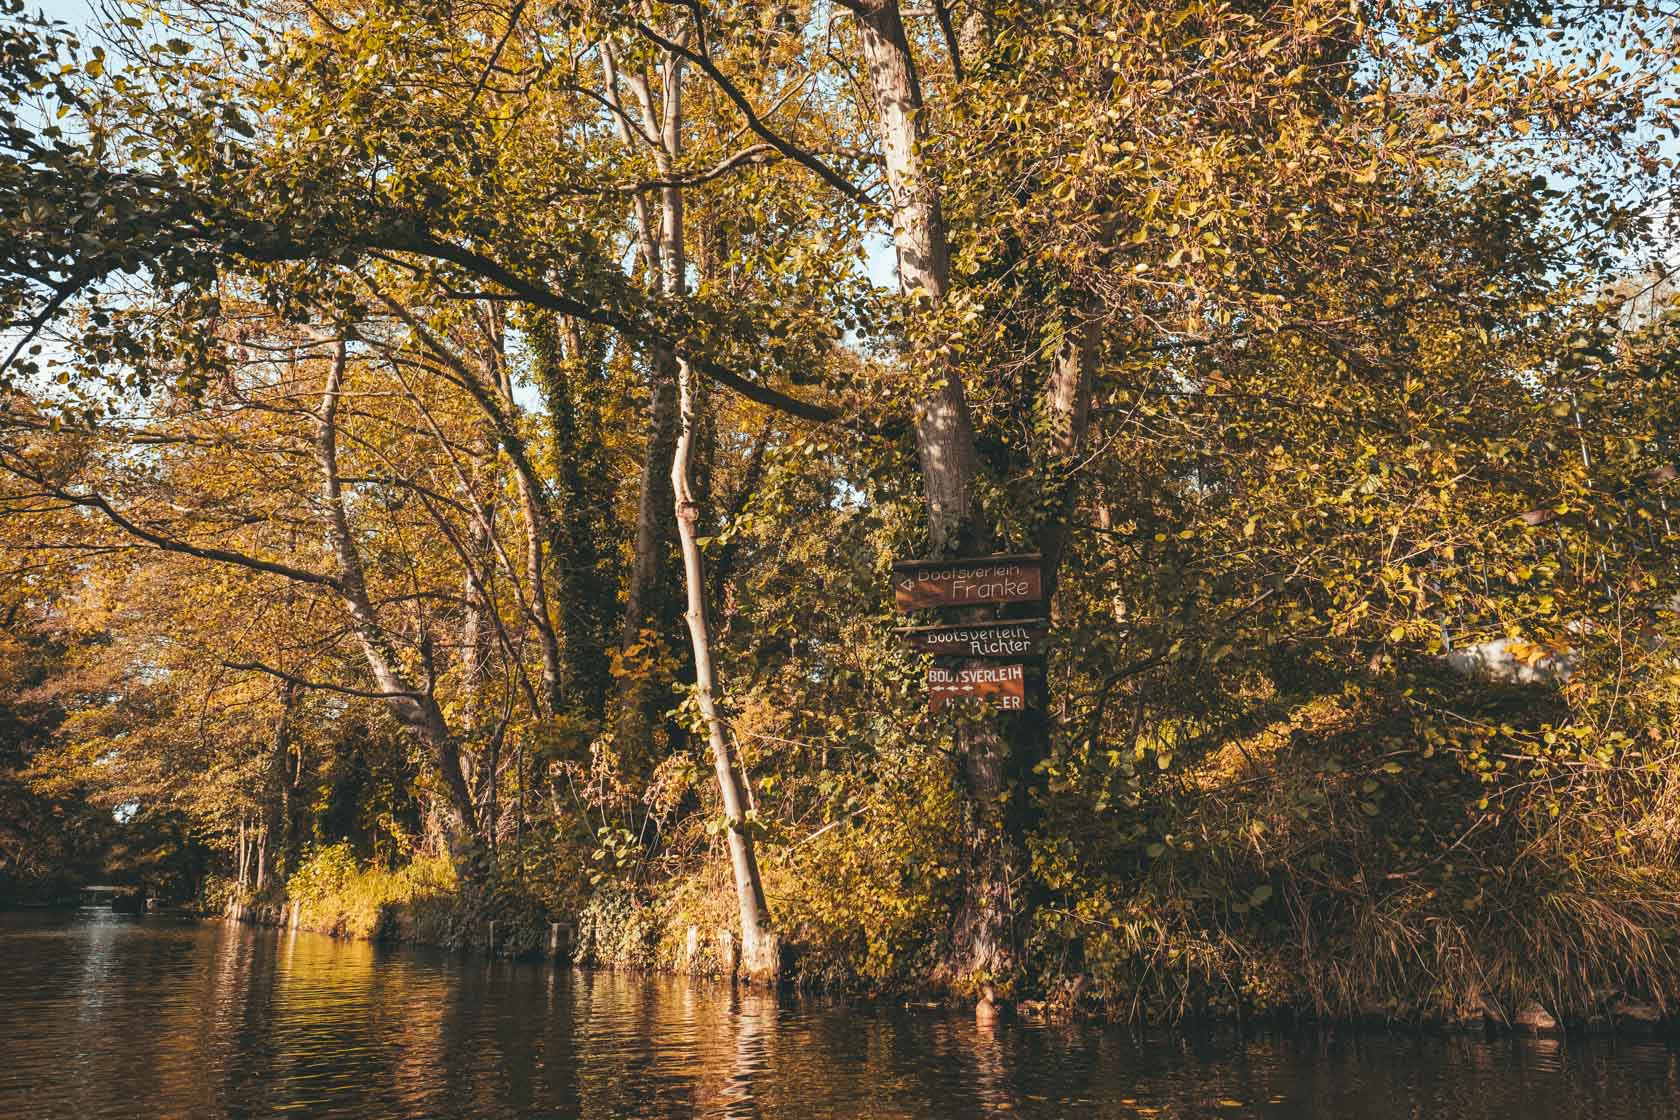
(1249, 909)
(421, 902)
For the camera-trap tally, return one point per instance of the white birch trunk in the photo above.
(760, 947)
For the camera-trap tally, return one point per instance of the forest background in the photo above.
(452, 454)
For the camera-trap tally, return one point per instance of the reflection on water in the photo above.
(102, 1015)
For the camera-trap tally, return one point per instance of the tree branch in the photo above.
(749, 157)
(255, 667)
(1094, 725)
(543, 297)
(513, 22)
(12, 464)
(35, 325)
(703, 59)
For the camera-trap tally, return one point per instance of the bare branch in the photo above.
(322, 686)
(733, 92)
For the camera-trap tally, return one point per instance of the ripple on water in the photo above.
(108, 1016)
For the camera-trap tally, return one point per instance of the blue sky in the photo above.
(71, 11)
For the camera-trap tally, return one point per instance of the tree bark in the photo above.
(1067, 407)
(585, 591)
(262, 857)
(495, 400)
(279, 825)
(661, 251)
(983, 924)
(667, 264)
(944, 429)
(997, 755)
(415, 708)
(760, 947)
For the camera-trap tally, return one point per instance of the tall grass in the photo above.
(1343, 870)
(337, 894)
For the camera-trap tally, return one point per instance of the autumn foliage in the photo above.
(466, 444)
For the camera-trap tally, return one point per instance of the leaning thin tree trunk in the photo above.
(760, 948)
(415, 708)
(262, 857)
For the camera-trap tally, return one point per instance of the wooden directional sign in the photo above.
(967, 583)
(1006, 684)
(1014, 638)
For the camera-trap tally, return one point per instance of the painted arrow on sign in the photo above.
(1007, 683)
(966, 583)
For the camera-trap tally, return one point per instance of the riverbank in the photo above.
(421, 905)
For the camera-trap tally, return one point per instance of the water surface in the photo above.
(109, 1016)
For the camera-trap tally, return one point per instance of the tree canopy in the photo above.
(459, 427)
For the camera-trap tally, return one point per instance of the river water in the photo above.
(103, 1015)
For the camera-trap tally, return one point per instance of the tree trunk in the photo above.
(944, 430)
(262, 857)
(659, 234)
(760, 948)
(279, 824)
(1067, 407)
(652, 499)
(998, 755)
(990, 857)
(585, 592)
(666, 263)
(415, 708)
(1004, 783)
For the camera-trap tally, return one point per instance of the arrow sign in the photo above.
(1008, 683)
(1024, 637)
(967, 583)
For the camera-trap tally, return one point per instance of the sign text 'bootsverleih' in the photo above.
(962, 583)
(1012, 638)
(1005, 684)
